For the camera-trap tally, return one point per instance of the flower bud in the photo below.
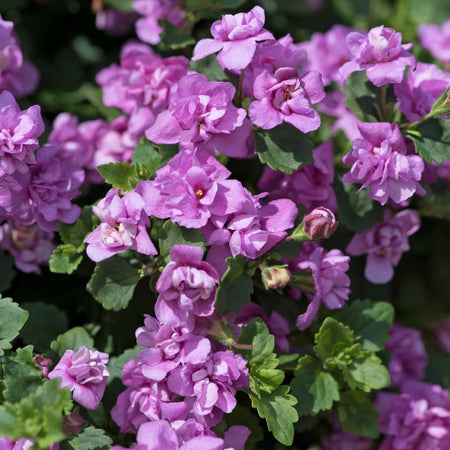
(275, 277)
(72, 424)
(43, 363)
(320, 223)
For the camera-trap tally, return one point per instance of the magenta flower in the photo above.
(124, 226)
(186, 286)
(309, 186)
(409, 358)
(84, 372)
(384, 244)
(380, 159)
(436, 39)
(16, 75)
(422, 87)
(21, 444)
(419, 418)
(286, 97)
(235, 39)
(381, 53)
(19, 132)
(331, 283)
(30, 246)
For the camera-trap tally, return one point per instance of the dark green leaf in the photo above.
(168, 151)
(172, 234)
(72, 340)
(357, 414)
(116, 363)
(235, 288)
(147, 158)
(65, 259)
(12, 320)
(284, 148)
(332, 338)
(113, 283)
(174, 38)
(91, 439)
(7, 270)
(314, 389)
(210, 67)
(119, 175)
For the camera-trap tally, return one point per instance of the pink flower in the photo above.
(84, 372)
(381, 53)
(235, 39)
(384, 244)
(436, 39)
(124, 226)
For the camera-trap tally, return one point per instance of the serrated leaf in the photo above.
(119, 175)
(72, 340)
(147, 158)
(7, 270)
(284, 148)
(278, 410)
(91, 439)
(371, 321)
(12, 320)
(235, 287)
(113, 282)
(65, 259)
(357, 414)
(44, 324)
(172, 234)
(433, 144)
(314, 389)
(332, 338)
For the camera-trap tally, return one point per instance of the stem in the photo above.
(414, 124)
(241, 81)
(383, 102)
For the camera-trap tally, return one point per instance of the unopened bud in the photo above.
(43, 363)
(72, 424)
(275, 277)
(320, 223)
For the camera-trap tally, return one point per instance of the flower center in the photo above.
(199, 194)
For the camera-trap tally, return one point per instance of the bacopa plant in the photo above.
(244, 222)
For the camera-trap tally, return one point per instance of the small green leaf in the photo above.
(434, 142)
(314, 389)
(116, 363)
(12, 320)
(119, 175)
(113, 283)
(72, 340)
(172, 234)
(65, 259)
(441, 106)
(91, 439)
(235, 288)
(147, 158)
(210, 67)
(175, 38)
(357, 414)
(332, 338)
(284, 148)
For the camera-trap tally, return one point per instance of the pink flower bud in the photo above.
(276, 277)
(320, 223)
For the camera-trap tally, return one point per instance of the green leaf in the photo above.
(172, 234)
(314, 389)
(72, 340)
(7, 270)
(441, 106)
(357, 414)
(168, 151)
(119, 175)
(235, 287)
(278, 410)
(22, 375)
(370, 321)
(121, 5)
(210, 67)
(366, 372)
(75, 234)
(284, 148)
(116, 363)
(65, 259)
(147, 158)
(12, 320)
(332, 338)
(38, 416)
(44, 324)
(433, 144)
(113, 283)
(174, 38)
(91, 439)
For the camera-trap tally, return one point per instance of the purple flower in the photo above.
(284, 96)
(84, 372)
(419, 418)
(16, 75)
(331, 283)
(124, 226)
(19, 132)
(202, 112)
(190, 189)
(380, 159)
(114, 22)
(384, 244)
(436, 39)
(22, 444)
(309, 186)
(235, 39)
(186, 286)
(147, 28)
(422, 87)
(381, 53)
(326, 52)
(30, 246)
(409, 358)
(320, 223)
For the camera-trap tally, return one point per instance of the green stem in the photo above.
(414, 124)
